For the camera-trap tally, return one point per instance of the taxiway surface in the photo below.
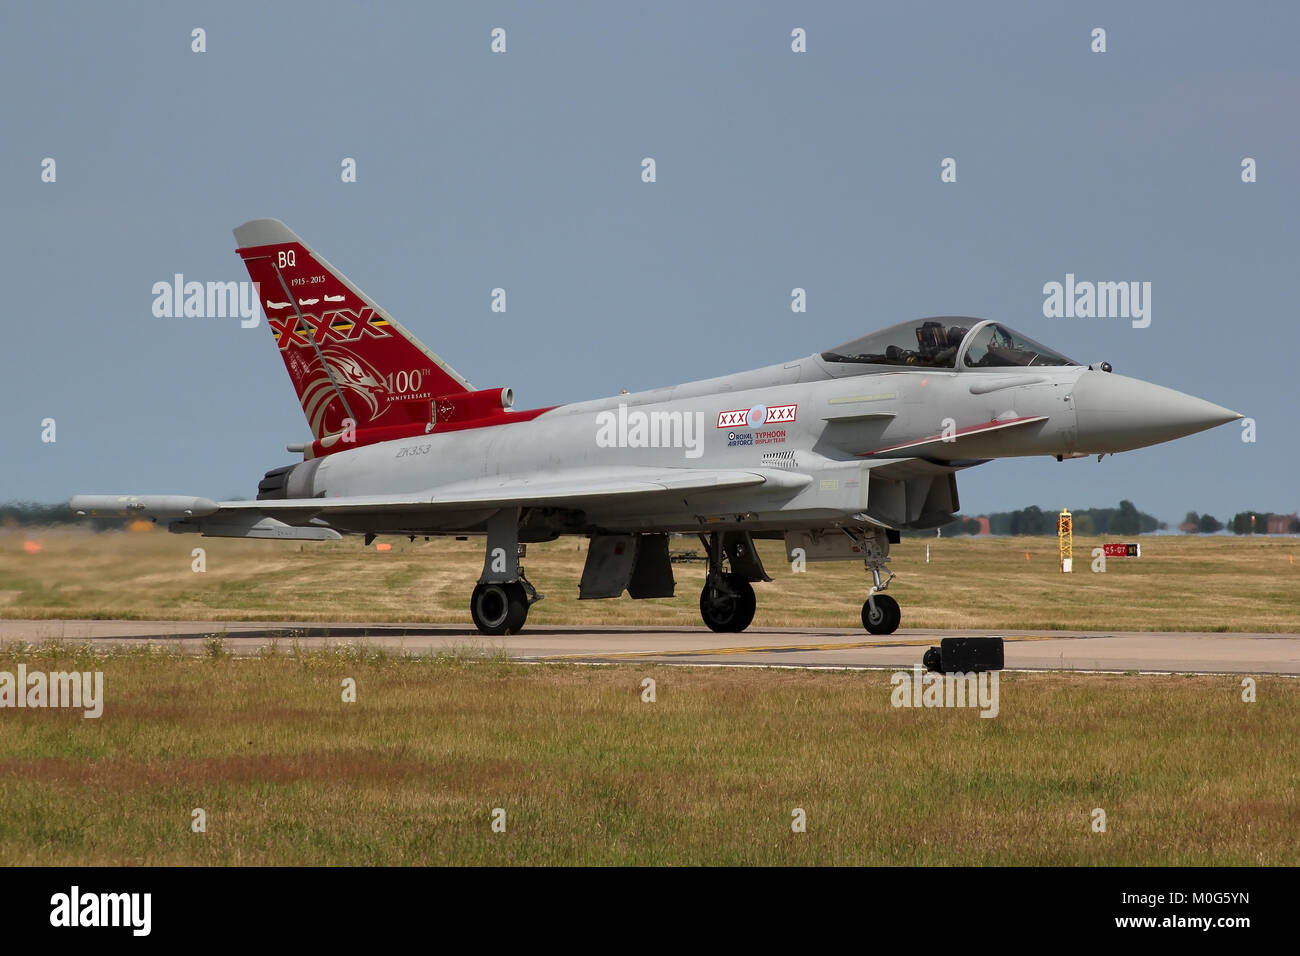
(1153, 651)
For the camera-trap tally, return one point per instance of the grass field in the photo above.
(587, 773)
(1179, 583)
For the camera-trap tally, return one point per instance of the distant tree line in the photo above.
(1256, 522)
(35, 514)
(31, 512)
(1243, 522)
(1124, 520)
(1200, 524)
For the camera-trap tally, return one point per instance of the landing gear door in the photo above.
(636, 563)
(652, 575)
(610, 560)
(743, 556)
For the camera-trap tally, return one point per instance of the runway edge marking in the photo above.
(762, 648)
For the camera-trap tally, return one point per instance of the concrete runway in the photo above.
(1149, 652)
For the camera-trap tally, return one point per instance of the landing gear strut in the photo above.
(727, 601)
(880, 612)
(500, 602)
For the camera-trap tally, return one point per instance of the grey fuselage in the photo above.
(846, 423)
(866, 437)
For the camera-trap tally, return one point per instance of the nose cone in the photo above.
(1117, 413)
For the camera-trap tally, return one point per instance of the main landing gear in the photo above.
(499, 609)
(727, 601)
(500, 602)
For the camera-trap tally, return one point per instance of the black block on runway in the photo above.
(965, 655)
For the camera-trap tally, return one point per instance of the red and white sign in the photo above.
(732, 419)
(757, 416)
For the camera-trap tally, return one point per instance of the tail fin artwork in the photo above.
(355, 369)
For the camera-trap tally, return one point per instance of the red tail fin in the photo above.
(347, 357)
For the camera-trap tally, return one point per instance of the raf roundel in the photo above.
(757, 416)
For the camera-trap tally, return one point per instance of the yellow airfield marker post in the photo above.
(1065, 535)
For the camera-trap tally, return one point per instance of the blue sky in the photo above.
(775, 170)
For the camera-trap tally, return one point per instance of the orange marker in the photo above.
(1026, 555)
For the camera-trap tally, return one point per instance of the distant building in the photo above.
(1282, 524)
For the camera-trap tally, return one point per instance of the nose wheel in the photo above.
(881, 614)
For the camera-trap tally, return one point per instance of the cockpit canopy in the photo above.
(941, 342)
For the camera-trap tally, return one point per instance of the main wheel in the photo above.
(728, 613)
(499, 608)
(884, 618)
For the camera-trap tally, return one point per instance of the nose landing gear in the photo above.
(880, 612)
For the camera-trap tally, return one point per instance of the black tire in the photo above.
(499, 609)
(888, 615)
(728, 613)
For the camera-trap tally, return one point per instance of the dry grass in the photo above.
(588, 774)
(1180, 583)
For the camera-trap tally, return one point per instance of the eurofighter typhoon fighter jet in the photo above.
(837, 453)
